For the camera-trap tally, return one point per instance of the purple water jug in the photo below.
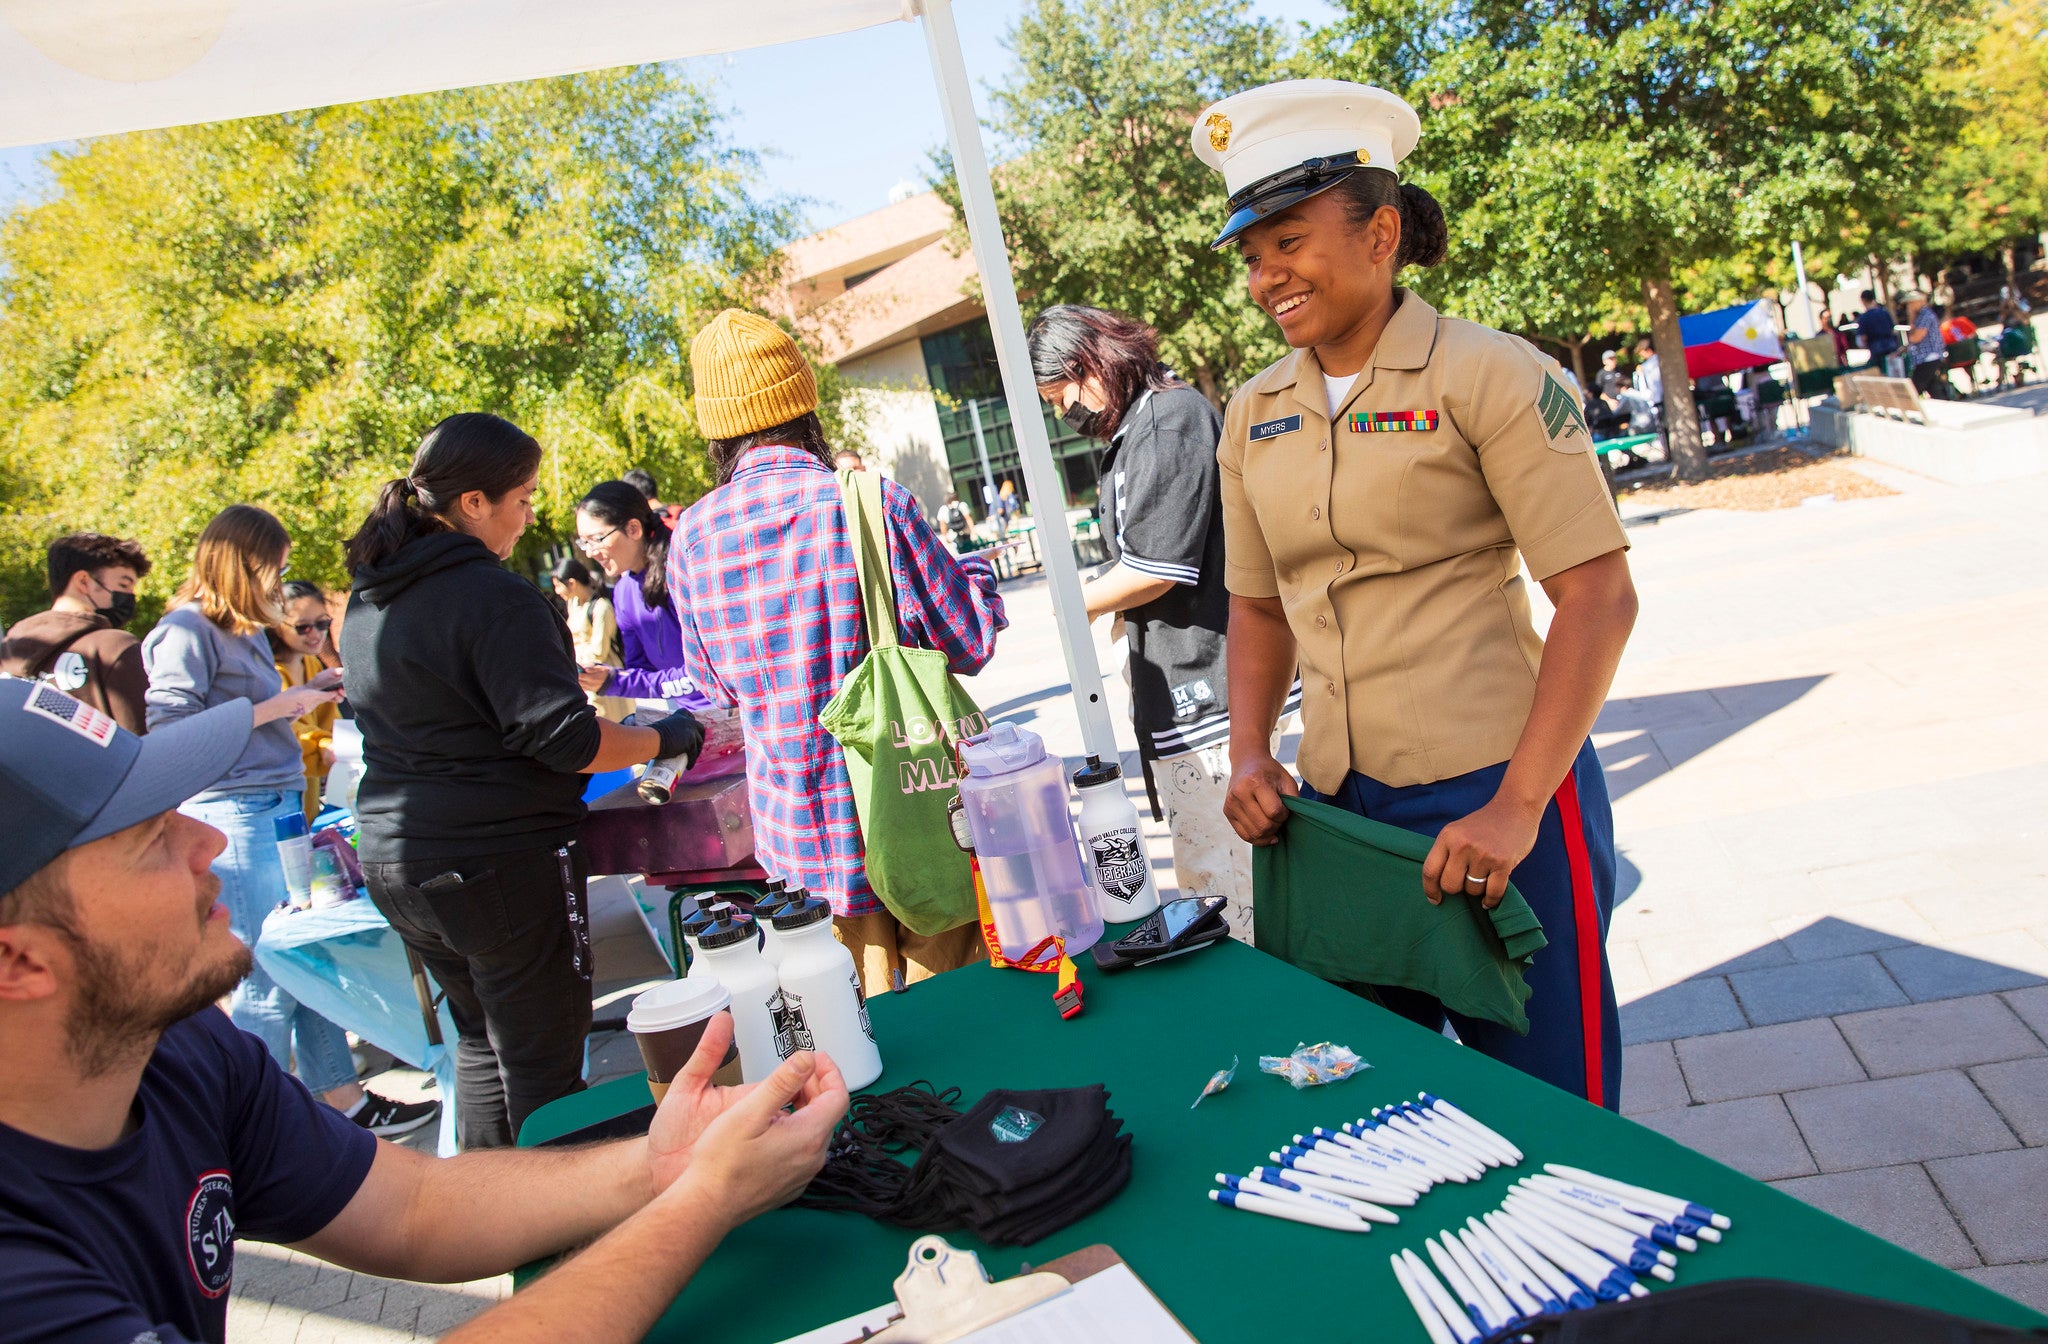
(1014, 797)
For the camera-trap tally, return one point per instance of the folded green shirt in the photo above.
(1340, 896)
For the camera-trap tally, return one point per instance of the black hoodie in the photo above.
(464, 683)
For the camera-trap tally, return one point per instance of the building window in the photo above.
(961, 364)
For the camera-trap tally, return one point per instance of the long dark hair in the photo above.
(1071, 343)
(806, 432)
(1424, 235)
(470, 451)
(614, 503)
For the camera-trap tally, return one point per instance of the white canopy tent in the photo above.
(75, 68)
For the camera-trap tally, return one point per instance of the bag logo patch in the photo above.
(1014, 1124)
(210, 1232)
(76, 715)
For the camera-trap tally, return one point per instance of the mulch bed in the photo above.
(1778, 478)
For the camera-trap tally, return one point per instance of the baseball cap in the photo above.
(70, 775)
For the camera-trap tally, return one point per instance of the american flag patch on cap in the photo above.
(79, 717)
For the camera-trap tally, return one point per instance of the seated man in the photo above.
(141, 1132)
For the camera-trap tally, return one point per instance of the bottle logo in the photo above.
(1119, 864)
(860, 1003)
(792, 1029)
(1014, 1124)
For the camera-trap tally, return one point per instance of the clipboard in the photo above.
(944, 1296)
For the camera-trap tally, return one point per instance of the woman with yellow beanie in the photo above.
(762, 575)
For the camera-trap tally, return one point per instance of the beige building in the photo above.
(890, 304)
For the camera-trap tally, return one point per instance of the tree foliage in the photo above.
(275, 309)
(1105, 204)
(1589, 152)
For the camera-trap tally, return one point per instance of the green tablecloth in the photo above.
(1154, 1036)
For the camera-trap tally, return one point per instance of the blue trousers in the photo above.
(1574, 1039)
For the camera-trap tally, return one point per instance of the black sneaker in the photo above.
(387, 1118)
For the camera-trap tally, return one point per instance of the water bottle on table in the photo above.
(1015, 800)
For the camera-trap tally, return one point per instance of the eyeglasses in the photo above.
(589, 545)
(310, 628)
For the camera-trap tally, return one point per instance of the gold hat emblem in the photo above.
(1219, 131)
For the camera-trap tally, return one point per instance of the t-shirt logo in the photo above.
(210, 1232)
(1014, 1124)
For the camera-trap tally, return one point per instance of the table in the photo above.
(1154, 1035)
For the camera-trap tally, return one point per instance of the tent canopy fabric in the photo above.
(1727, 340)
(74, 68)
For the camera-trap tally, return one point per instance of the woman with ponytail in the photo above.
(476, 741)
(616, 527)
(1384, 488)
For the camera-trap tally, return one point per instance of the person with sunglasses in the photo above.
(618, 529)
(305, 656)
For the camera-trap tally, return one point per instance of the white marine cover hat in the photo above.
(1282, 143)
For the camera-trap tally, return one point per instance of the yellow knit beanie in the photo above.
(750, 376)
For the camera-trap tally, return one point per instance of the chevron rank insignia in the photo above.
(1561, 416)
(1392, 422)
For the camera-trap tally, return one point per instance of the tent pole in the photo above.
(1006, 323)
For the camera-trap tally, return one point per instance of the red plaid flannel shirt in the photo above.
(762, 576)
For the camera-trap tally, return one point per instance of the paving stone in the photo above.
(1754, 1135)
(2032, 1006)
(1688, 1008)
(1785, 1057)
(1929, 973)
(2021, 1283)
(1815, 989)
(1867, 928)
(2017, 1087)
(1948, 1034)
(1899, 1204)
(1887, 1121)
(1999, 1198)
(1650, 1080)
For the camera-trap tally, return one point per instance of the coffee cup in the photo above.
(669, 1020)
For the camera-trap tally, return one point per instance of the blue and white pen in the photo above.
(1626, 1226)
(1329, 1185)
(1462, 1288)
(1609, 1208)
(1266, 1181)
(1634, 1254)
(1399, 1171)
(1525, 1301)
(1366, 1129)
(1425, 1310)
(1512, 1153)
(1446, 1306)
(1650, 1199)
(1605, 1279)
(1441, 1125)
(1400, 1118)
(1491, 1297)
(1561, 1285)
(1400, 1123)
(1336, 1167)
(1293, 1213)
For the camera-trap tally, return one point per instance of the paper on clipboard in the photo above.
(1110, 1306)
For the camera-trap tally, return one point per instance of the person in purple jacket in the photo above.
(616, 528)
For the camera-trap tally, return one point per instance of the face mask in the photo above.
(120, 609)
(1082, 420)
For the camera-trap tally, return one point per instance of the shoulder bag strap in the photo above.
(867, 528)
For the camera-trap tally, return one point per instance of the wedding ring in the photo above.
(1472, 877)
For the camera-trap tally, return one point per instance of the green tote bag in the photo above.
(898, 715)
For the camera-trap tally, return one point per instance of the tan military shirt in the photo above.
(1394, 552)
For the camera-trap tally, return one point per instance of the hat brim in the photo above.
(176, 761)
(1252, 211)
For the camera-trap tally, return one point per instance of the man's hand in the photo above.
(753, 1156)
(1253, 807)
(594, 677)
(694, 1103)
(1488, 843)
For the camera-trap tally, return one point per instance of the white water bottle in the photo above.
(1112, 845)
(766, 909)
(822, 1007)
(726, 950)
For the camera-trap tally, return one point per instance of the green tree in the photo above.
(1601, 149)
(274, 310)
(1105, 203)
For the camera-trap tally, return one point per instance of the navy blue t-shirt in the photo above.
(136, 1242)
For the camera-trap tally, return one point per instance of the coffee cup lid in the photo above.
(677, 1003)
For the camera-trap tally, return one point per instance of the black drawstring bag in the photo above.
(1015, 1167)
(1758, 1311)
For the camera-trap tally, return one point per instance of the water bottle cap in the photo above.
(774, 902)
(289, 827)
(697, 921)
(1004, 748)
(726, 932)
(1097, 771)
(801, 913)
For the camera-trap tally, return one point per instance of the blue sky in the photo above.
(840, 120)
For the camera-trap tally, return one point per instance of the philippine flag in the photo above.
(1729, 339)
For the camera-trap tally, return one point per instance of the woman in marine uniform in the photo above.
(1385, 486)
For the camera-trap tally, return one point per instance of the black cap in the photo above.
(726, 932)
(1097, 771)
(801, 913)
(697, 921)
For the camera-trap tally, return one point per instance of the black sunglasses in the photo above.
(321, 626)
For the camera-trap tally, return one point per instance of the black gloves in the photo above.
(681, 735)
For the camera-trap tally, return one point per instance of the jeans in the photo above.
(510, 945)
(251, 886)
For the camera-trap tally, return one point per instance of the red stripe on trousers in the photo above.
(1586, 915)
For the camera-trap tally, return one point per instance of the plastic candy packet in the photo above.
(1217, 1082)
(1314, 1065)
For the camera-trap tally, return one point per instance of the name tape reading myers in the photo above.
(922, 774)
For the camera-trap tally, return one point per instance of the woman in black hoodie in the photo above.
(476, 739)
